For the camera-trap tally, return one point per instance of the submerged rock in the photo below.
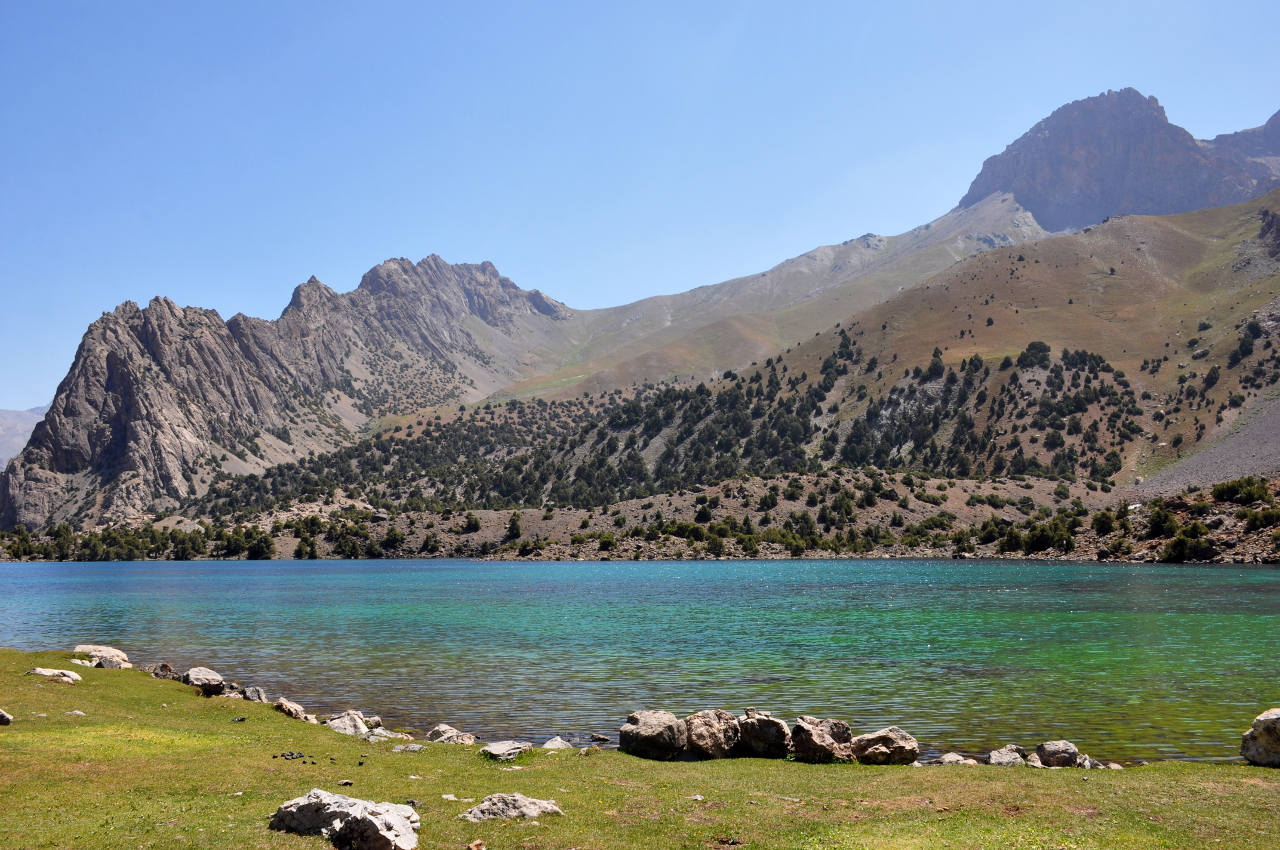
(508, 806)
(1261, 744)
(348, 822)
(653, 735)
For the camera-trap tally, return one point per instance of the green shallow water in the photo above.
(1128, 661)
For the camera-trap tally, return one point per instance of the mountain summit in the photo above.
(1117, 153)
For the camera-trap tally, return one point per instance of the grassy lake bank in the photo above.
(151, 764)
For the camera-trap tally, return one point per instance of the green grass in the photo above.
(153, 765)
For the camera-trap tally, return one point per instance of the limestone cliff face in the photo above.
(159, 399)
(1117, 153)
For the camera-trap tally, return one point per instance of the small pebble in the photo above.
(239, 719)
(345, 782)
(413, 803)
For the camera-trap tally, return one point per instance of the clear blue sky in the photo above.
(222, 153)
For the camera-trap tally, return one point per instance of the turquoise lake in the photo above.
(1128, 661)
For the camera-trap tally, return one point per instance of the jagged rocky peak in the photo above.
(1112, 154)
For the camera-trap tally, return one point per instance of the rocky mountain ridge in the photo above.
(1117, 153)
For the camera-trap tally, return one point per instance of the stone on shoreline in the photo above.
(349, 722)
(1058, 754)
(713, 733)
(348, 822)
(161, 670)
(443, 733)
(1261, 744)
(289, 708)
(890, 745)
(656, 735)
(253, 693)
(820, 741)
(557, 743)
(1010, 755)
(956, 758)
(68, 676)
(508, 806)
(210, 682)
(104, 656)
(505, 750)
(763, 735)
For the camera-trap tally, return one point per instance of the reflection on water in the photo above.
(1129, 661)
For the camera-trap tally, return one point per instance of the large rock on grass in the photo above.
(349, 722)
(505, 750)
(348, 822)
(890, 745)
(713, 733)
(819, 741)
(763, 736)
(210, 682)
(653, 735)
(1010, 755)
(68, 676)
(1261, 744)
(508, 807)
(104, 656)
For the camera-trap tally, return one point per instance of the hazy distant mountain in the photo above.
(1117, 153)
(15, 428)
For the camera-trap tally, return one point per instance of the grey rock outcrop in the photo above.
(253, 693)
(713, 733)
(508, 807)
(505, 750)
(210, 682)
(104, 656)
(820, 741)
(443, 733)
(1117, 153)
(653, 735)
(1261, 744)
(1010, 755)
(348, 822)
(763, 736)
(890, 745)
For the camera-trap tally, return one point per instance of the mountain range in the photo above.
(163, 401)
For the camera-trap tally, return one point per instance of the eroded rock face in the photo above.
(1113, 154)
(1261, 744)
(153, 392)
(348, 822)
(508, 807)
(653, 735)
(890, 745)
(443, 733)
(713, 733)
(819, 741)
(210, 682)
(763, 736)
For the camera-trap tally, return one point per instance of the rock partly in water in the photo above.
(819, 741)
(68, 676)
(763, 736)
(505, 750)
(1010, 755)
(348, 822)
(1261, 744)
(890, 745)
(713, 733)
(557, 743)
(210, 682)
(1058, 754)
(509, 806)
(443, 733)
(253, 693)
(653, 735)
(349, 722)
